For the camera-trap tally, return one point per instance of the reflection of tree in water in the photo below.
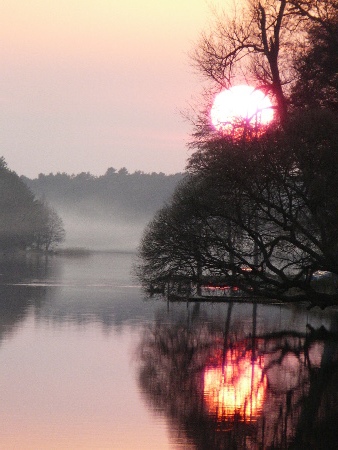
(18, 268)
(222, 388)
(16, 301)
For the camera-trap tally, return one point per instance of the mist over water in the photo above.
(108, 212)
(95, 233)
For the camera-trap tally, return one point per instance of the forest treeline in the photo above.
(135, 195)
(107, 212)
(25, 221)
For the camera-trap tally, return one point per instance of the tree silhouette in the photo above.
(24, 221)
(259, 214)
(261, 43)
(51, 232)
(317, 68)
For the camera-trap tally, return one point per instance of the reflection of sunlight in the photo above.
(238, 389)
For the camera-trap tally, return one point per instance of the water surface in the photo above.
(88, 363)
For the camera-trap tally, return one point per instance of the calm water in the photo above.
(87, 363)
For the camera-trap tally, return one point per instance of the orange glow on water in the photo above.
(239, 108)
(236, 389)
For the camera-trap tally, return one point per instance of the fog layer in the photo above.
(108, 212)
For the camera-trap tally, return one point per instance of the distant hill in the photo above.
(108, 211)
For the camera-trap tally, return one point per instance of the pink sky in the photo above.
(91, 84)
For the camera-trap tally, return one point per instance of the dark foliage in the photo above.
(317, 69)
(259, 214)
(24, 221)
(263, 208)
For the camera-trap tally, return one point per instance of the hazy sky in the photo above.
(90, 84)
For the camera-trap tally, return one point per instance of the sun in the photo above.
(241, 107)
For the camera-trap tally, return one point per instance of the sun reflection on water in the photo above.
(235, 389)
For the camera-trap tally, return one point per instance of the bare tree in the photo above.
(262, 209)
(259, 44)
(51, 231)
(262, 214)
(172, 246)
(281, 192)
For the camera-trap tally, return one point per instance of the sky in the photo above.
(91, 84)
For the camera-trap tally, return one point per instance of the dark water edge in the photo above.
(229, 375)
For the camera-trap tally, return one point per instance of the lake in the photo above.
(87, 362)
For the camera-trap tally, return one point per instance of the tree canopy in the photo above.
(24, 221)
(316, 68)
(260, 211)
(258, 214)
